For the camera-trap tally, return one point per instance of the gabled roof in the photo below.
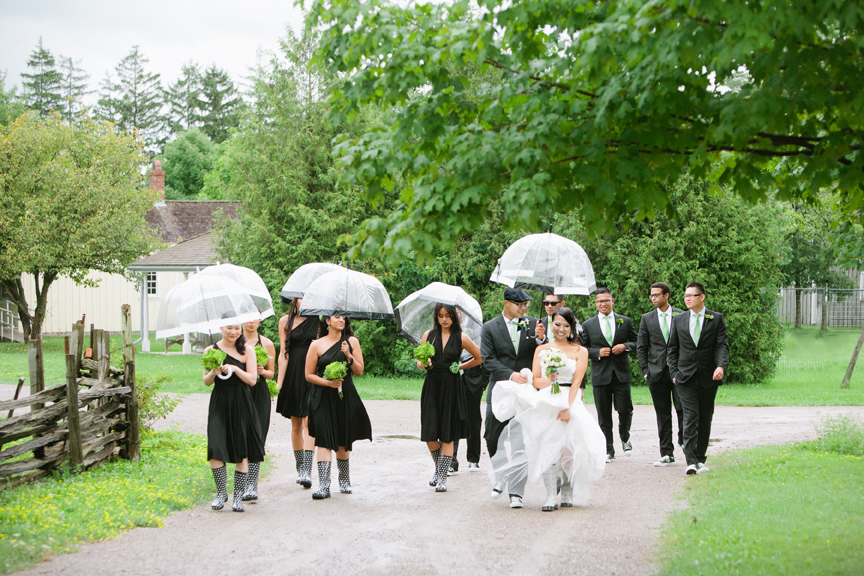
(186, 256)
(176, 220)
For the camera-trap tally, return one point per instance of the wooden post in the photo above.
(76, 456)
(102, 354)
(17, 393)
(77, 345)
(37, 366)
(133, 442)
(128, 343)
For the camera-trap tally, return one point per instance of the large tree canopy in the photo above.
(599, 103)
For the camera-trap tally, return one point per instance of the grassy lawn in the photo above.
(794, 509)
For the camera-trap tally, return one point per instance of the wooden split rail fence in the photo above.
(86, 421)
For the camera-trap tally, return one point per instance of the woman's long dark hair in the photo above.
(454, 316)
(570, 318)
(323, 328)
(292, 314)
(240, 344)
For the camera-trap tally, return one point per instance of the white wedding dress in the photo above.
(578, 446)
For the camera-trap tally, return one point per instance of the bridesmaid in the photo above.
(260, 398)
(233, 431)
(335, 422)
(443, 407)
(296, 333)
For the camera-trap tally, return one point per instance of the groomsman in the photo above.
(697, 355)
(651, 352)
(507, 346)
(610, 338)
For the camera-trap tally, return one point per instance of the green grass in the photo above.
(794, 509)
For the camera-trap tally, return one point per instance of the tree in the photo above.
(183, 99)
(220, 104)
(187, 159)
(10, 106)
(73, 88)
(43, 85)
(134, 102)
(848, 239)
(599, 103)
(73, 201)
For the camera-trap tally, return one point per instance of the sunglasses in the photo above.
(548, 303)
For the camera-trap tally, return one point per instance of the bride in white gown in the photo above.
(563, 443)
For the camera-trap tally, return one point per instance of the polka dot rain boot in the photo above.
(443, 467)
(239, 490)
(436, 454)
(323, 481)
(344, 477)
(251, 492)
(220, 476)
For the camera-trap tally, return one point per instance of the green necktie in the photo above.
(697, 330)
(664, 327)
(608, 331)
(514, 336)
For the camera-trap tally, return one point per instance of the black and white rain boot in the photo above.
(220, 476)
(436, 455)
(239, 490)
(306, 475)
(251, 492)
(344, 477)
(443, 467)
(550, 480)
(298, 460)
(323, 481)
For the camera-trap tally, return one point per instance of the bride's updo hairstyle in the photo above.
(570, 318)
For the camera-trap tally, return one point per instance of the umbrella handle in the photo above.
(225, 376)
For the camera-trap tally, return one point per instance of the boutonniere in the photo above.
(619, 320)
(709, 316)
(675, 314)
(522, 325)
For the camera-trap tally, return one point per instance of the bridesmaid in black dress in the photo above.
(233, 430)
(335, 422)
(296, 333)
(260, 398)
(443, 407)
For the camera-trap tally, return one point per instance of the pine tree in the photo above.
(73, 88)
(220, 104)
(42, 86)
(182, 99)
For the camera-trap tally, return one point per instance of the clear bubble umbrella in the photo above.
(548, 263)
(415, 314)
(300, 280)
(204, 304)
(347, 293)
(249, 280)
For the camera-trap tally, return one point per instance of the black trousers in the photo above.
(615, 394)
(475, 421)
(698, 403)
(663, 395)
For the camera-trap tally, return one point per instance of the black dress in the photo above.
(261, 401)
(233, 427)
(293, 399)
(335, 422)
(443, 408)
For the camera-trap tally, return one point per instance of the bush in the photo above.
(152, 405)
(841, 435)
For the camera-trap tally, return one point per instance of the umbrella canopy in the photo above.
(347, 293)
(300, 280)
(249, 281)
(548, 263)
(204, 304)
(415, 314)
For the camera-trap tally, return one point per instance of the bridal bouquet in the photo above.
(212, 359)
(261, 355)
(423, 353)
(551, 359)
(335, 371)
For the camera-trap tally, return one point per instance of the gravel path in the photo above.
(394, 523)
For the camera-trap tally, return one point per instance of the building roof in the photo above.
(186, 256)
(177, 220)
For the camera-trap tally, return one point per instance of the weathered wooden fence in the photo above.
(91, 418)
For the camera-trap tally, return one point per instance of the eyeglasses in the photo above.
(653, 296)
(691, 296)
(603, 301)
(548, 303)
(519, 304)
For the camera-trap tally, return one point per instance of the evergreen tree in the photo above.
(134, 102)
(183, 99)
(73, 88)
(220, 104)
(42, 87)
(187, 159)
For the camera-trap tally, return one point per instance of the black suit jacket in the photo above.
(499, 357)
(602, 369)
(692, 365)
(651, 347)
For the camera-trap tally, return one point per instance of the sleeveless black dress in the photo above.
(335, 422)
(261, 401)
(293, 399)
(233, 426)
(443, 407)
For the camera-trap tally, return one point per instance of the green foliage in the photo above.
(152, 404)
(42, 86)
(597, 104)
(212, 359)
(187, 159)
(10, 107)
(423, 353)
(841, 435)
(73, 88)
(182, 99)
(261, 355)
(271, 387)
(335, 371)
(219, 104)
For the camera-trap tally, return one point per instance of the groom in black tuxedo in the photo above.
(507, 346)
(697, 355)
(610, 339)
(651, 351)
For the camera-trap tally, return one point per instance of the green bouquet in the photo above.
(335, 371)
(271, 386)
(261, 355)
(423, 353)
(213, 358)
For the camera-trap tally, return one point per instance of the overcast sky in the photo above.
(101, 32)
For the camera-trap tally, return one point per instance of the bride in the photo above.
(563, 442)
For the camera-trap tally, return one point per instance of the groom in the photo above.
(507, 346)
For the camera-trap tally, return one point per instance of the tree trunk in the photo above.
(797, 307)
(826, 299)
(31, 324)
(848, 377)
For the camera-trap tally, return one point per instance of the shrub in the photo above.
(152, 405)
(843, 434)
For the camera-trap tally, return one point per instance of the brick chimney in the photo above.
(157, 179)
